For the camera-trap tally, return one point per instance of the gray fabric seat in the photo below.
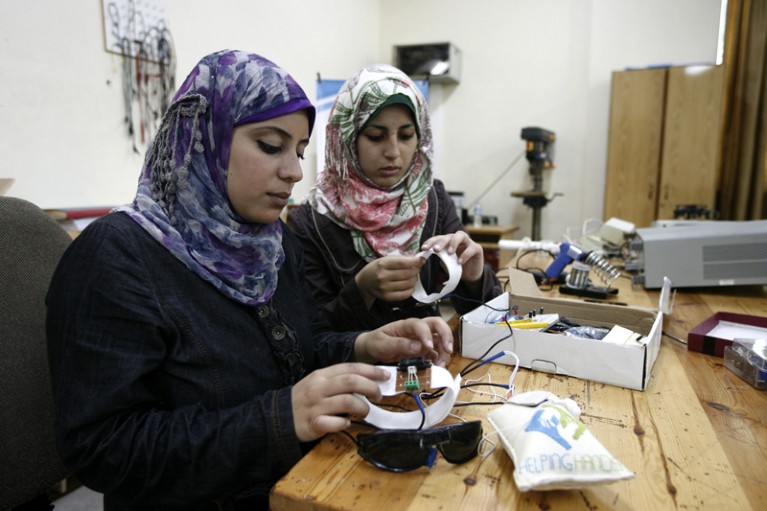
(31, 244)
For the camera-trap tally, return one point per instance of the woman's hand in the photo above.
(324, 399)
(430, 338)
(470, 254)
(389, 278)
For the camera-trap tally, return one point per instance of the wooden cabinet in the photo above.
(690, 165)
(664, 141)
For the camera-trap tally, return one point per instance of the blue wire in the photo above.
(483, 362)
(420, 407)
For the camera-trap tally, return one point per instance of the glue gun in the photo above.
(577, 282)
(567, 254)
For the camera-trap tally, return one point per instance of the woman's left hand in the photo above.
(470, 254)
(429, 337)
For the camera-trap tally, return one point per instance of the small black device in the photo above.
(435, 62)
(419, 363)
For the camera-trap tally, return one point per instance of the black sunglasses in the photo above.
(400, 450)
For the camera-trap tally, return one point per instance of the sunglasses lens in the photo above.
(463, 444)
(400, 451)
(393, 451)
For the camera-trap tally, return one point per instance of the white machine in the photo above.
(701, 253)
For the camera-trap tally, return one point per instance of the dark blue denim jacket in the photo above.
(170, 395)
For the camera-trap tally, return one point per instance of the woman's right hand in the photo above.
(389, 278)
(324, 400)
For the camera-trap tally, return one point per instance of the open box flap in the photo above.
(666, 302)
(522, 283)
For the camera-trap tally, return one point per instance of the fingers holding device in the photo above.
(324, 400)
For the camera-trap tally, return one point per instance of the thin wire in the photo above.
(480, 362)
(506, 170)
(513, 373)
(470, 384)
(471, 366)
(486, 440)
(439, 392)
(471, 300)
(420, 407)
(488, 384)
(512, 387)
(674, 337)
(535, 269)
(479, 403)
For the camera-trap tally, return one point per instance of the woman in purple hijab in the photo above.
(190, 367)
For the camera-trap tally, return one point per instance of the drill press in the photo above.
(539, 152)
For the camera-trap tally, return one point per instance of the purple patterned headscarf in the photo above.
(182, 200)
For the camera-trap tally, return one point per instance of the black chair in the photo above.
(31, 244)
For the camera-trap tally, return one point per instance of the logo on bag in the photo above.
(549, 418)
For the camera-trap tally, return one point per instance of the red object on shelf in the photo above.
(74, 214)
(78, 213)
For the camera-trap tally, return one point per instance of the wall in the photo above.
(544, 63)
(540, 63)
(62, 134)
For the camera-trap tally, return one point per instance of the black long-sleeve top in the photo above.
(332, 263)
(169, 394)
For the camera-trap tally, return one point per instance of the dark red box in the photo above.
(703, 338)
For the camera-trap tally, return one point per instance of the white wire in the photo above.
(486, 439)
(495, 395)
(483, 392)
(512, 389)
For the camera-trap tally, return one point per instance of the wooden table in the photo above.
(696, 437)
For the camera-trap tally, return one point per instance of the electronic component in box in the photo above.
(748, 359)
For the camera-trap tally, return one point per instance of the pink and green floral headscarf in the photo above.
(182, 200)
(381, 221)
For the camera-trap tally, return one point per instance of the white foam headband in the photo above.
(454, 276)
(434, 414)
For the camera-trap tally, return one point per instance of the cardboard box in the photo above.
(626, 365)
(719, 330)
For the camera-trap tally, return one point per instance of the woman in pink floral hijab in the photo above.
(376, 205)
(383, 221)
